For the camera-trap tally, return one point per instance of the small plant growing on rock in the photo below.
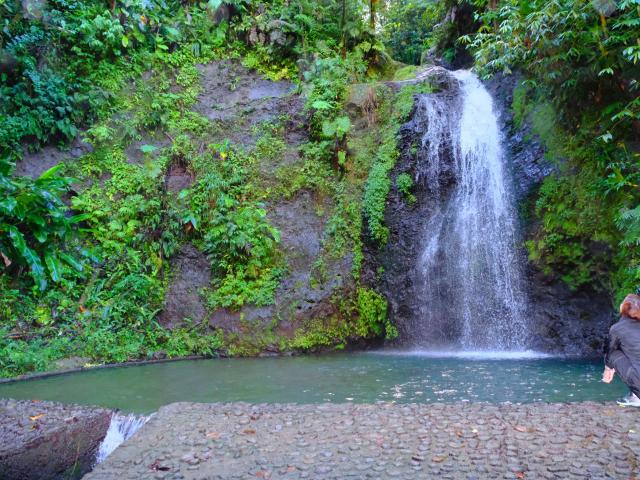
(404, 183)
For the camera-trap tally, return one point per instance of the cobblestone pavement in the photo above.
(354, 441)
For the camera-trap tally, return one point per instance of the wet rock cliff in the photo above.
(565, 321)
(560, 320)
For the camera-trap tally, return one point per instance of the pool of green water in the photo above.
(353, 377)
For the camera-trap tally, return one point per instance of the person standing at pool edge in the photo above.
(622, 355)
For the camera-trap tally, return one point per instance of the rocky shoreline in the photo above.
(46, 440)
(385, 440)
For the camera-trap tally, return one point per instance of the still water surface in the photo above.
(353, 377)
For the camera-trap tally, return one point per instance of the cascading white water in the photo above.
(121, 428)
(469, 268)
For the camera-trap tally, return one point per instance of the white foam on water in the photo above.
(121, 428)
(469, 355)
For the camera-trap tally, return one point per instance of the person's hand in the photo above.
(607, 376)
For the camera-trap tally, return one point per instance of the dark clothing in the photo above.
(628, 374)
(623, 352)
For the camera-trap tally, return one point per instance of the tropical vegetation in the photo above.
(86, 246)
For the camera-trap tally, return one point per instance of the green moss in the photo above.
(576, 231)
(363, 316)
(519, 105)
(395, 112)
(405, 73)
(528, 105)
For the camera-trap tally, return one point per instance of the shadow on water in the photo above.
(361, 377)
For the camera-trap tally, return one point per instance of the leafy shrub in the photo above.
(37, 231)
(372, 315)
(242, 248)
(378, 186)
(235, 232)
(42, 107)
(18, 356)
(101, 36)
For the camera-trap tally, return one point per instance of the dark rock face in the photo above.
(563, 321)
(237, 99)
(525, 157)
(134, 152)
(298, 298)
(45, 441)
(178, 178)
(567, 322)
(191, 273)
(34, 164)
(401, 256)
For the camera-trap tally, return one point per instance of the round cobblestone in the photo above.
(359, 441)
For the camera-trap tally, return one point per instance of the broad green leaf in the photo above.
(36, 219)
(54, 266)
(80, 217)
(41, 235)
(71, 261)
(343, 124)
(148, 148)
(321, 105)
(30, 257)
(328, 129)
(51, 172)
(173, 33)
(8, 204)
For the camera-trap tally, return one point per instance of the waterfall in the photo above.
(469, 274)
(121, 428)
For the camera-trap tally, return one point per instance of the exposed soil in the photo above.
(238, 99)
(134, 153)
(178, 178)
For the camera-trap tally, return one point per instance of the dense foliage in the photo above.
(38, 234)
(582, 97)
(86, 248)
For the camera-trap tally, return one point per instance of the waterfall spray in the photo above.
(469, 269)
(121, 428)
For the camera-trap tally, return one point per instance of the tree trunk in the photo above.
(342, 28)
(373, 4)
